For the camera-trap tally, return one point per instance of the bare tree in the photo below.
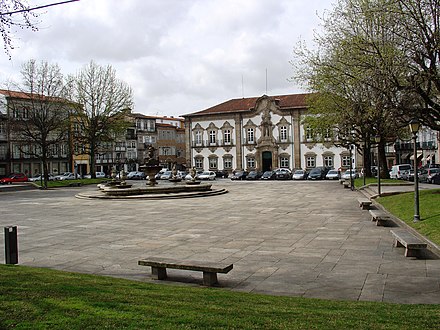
(17, 13)
(39, 116)
(103, 101)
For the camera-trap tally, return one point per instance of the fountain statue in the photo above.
(174, 176)
(151, 166)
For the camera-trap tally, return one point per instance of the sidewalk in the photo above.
(306, 239)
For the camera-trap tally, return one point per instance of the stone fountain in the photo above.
(119, 189)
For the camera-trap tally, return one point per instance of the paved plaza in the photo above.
(306, 239)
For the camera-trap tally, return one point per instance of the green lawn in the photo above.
(34, 298)
(66, 183)
(359, 182)
(402, 206)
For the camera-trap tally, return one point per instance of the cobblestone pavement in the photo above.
(292, 238)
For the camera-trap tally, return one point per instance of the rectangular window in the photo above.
(212, 136)
(250, 135)
(251, 162)
(198, 163)
(345, 161)
(284, 162)
(227, 136)
(198, 138)
(328, 161)
(311, 161)
(283, 133)
(327, 134)
(213, 163)
(309, 133)
(227, 163)
(2, 128)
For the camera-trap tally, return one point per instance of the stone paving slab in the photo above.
(292, 238)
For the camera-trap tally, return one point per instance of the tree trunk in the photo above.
(384, 171)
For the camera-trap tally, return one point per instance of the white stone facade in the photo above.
(266, 135)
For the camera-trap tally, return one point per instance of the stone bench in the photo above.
(364, 203)
(159, 268)
(346, 184)
(380, 217)
(413, 245)
(75, 184)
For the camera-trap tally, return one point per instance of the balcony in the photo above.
(409, 146)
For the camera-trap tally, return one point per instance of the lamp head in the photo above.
(377, 138)
(414, 126)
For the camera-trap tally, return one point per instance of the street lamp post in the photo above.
(414, 126)
(377, 139)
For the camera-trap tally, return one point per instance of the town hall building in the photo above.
(259, 133)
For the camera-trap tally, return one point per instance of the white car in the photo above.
(346, 175)
(65, 176)
(299, 175)
(39, 178)
(166, 176)
(207, 175)
(333, 175)
(99, 175)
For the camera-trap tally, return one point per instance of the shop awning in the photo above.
(419, 154)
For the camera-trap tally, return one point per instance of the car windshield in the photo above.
(332, 172)
(299, 172)
(315, 171)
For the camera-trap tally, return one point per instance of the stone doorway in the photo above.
(267, 160)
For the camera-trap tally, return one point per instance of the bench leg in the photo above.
(397, 243)
(209, 279)
(411, 252)
(158, 273)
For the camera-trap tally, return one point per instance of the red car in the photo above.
(16, 177)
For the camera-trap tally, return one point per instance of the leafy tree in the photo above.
(357, 71)
(102, 103)
(40, 113)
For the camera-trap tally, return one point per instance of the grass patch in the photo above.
(402, 206)
(66, 183)
(34, 298)
(359, 182)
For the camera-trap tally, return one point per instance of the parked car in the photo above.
(15, 177)
(332, 175)
(346, 175)
(435, 178)
(299, 175)
(39, 177)
(159, 174)
(268, 175)
(425, 175)
(396, 171)
(207, 175)
(254, 175)
(136, 175)
(239, 175)
(221, 174)
(64, 176)
(166, 175)
(283, 174)
(99, 175)
(316, 173)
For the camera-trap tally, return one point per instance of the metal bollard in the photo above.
(11, 245)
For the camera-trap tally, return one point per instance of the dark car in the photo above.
(435, 178)
(254, 175)
(268, 175)
(221, 174)
(239, 175)
(283, 174)
(316, 173)
(426, 174)
(16, 177)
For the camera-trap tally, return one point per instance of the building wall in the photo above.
(267, 137)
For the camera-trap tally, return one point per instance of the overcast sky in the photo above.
(178, 56)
